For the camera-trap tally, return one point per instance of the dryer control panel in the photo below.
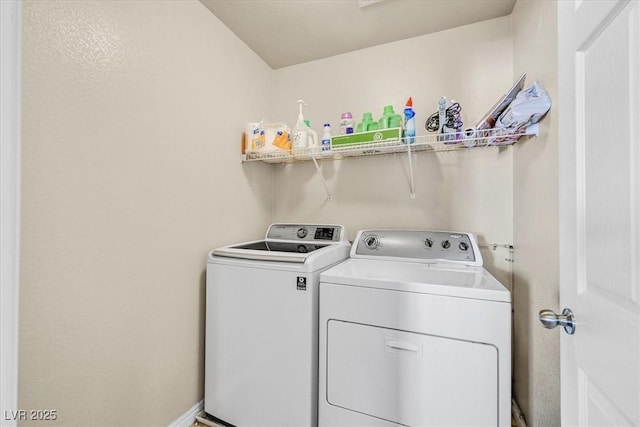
(418, 246)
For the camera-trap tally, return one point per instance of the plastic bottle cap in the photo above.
(346, 115)
(306, 122)
(327, 124)
(388, 109)
(409, 102)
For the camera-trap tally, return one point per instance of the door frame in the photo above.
(10, 82)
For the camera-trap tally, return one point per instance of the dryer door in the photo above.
(409, 378)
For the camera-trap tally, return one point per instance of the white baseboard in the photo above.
(188, 418)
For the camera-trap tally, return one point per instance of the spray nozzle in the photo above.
(300, 103)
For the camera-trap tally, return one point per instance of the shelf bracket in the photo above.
(411, 182)
(324, 181)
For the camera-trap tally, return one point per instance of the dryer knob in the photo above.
(302, 232)
(371, 242)
(463, 246)
(446, 244)
(428, 243)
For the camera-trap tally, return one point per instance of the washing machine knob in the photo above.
(428, 243)
(371, 242)
(302, 232)
(446, 244)
(463, 246)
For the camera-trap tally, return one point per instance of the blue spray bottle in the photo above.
(409, 123)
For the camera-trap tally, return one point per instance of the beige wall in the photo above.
(131, 174)
(469, 191)
(536, 278)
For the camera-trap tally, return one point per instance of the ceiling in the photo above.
(289, 32)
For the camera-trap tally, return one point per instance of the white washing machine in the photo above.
(261, 337)
(414, 332)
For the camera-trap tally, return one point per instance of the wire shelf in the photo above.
(435, 143)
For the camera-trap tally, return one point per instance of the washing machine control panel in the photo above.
(306, 232)
(418, 245)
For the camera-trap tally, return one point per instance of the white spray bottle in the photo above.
(303, 137)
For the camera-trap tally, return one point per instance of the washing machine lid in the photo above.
(436, 279)
(270, 250)
(292, 243)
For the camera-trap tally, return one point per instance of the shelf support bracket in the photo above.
(411, 182)
(324, 181)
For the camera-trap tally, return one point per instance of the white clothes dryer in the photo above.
(414, 332)
(261, 337)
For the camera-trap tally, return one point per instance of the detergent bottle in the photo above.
(409, 123)
(313, 143)
(367, 123)
(346, 123)
(389, 118)
(303, 137)
(326, 137)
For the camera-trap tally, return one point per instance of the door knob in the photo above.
(550, 320)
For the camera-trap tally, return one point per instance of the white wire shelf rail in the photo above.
(423, 143)
(436, 143)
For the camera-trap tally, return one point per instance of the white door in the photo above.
(599, 84)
